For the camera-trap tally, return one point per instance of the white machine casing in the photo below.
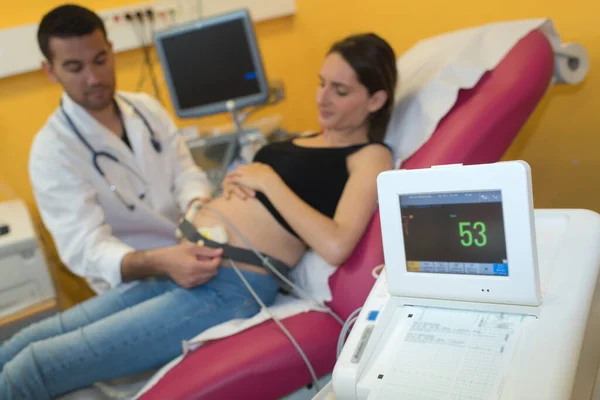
(557, 355)
(24, 277)
(520, 289)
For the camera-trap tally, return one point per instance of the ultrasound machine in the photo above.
(214, 66)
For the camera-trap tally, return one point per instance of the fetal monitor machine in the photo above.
(481, 297)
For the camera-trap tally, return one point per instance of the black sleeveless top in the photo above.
(317, 175)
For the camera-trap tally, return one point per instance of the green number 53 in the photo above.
(467, 230)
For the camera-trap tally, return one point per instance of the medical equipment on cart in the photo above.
(478, 292)
(24, 277)
(209, 81)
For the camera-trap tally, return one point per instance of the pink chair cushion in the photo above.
(260, 363)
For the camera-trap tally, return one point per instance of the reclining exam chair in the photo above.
(261, 363)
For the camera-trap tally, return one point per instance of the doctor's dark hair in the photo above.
(374, 62)
(67, 21)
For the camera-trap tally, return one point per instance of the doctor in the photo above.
(109, 174)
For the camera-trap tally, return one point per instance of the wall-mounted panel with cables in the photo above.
(131, 27)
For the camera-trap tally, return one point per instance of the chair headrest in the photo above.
(432, 72)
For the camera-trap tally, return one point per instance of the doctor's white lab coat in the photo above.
(91, 227)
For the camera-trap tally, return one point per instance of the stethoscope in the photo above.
(97, 154)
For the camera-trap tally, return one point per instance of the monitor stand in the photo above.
(249, 140)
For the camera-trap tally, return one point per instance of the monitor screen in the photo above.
(454, 233)
(211, 62)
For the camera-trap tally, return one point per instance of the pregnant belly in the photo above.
(257, 225)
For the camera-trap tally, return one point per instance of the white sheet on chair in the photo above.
(434, 70)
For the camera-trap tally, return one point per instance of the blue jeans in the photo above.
(122, 332)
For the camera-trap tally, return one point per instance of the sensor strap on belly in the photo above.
(237, 253)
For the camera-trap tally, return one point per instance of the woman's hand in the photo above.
(254, 176)
(233, 189)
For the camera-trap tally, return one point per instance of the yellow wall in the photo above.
(561, 141)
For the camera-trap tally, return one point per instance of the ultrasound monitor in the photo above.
(211, 63)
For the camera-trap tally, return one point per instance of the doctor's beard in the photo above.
(98, 97)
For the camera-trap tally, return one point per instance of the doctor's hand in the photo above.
(255, 176)
(190, 264)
